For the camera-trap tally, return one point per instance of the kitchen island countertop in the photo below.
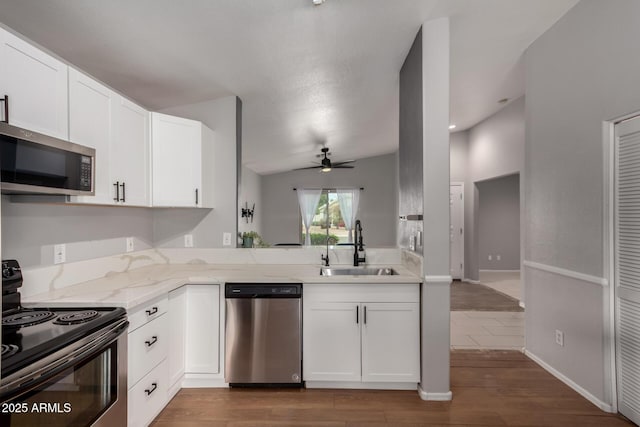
(132, 288)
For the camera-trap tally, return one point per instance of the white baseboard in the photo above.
(360, 385)
(499, 271)
(473, 282)
(584, 393)
(203, 381)
(440, 397)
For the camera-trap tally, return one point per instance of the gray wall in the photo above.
(250, 192)
(378, 208)
(207, 226)
(410, 152)
(581, 72)
(29, 231)
(491, 149)
(499, 223)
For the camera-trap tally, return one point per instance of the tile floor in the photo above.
(490, 330)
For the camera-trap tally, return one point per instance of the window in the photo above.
(327, 222)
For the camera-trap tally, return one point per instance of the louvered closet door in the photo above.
(627, 271)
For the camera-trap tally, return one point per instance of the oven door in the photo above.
(88, 387)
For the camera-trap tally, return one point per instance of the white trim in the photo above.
(474, 282)
(584, 393)
(361, 385)
(521, 304)
(500, 271)
(567, 273)
(608, 255)
(438, 279)
(438, 397)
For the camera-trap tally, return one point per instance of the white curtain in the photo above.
(349, 200)
(308, 200)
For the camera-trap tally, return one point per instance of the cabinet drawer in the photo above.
(147, 348)
(147, 312)
(147, 398)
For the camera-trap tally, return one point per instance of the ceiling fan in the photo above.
(325, 164)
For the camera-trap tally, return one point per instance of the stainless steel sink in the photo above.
(356, 271)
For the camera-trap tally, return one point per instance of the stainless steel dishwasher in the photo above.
(263, 340)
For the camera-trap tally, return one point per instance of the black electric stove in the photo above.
(29, 334)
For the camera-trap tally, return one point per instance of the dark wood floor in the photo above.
(490, 388)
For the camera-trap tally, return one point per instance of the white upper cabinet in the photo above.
(36, 84)
(179, 148)
(91, 107)
(129, 156)
(119, 131)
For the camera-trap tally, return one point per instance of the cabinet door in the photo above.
(203, 329)
(176, 167)
(177, 330)
(331, 341)
(391, 342)
(36, 84)
(90, 124)
(130, 153)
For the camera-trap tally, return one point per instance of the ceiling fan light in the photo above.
(326, 169)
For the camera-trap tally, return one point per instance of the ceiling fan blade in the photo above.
(310, 167)
(342, 167)
(337, 164)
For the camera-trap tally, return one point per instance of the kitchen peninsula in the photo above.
(176, 307)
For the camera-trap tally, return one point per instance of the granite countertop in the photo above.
(132, 288)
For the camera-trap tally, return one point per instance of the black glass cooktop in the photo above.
(31, 334)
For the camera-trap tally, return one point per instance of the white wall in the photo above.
(378, 209)
(207, 226)
(581, 72)
(248, 194)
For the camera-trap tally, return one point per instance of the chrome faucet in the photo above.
(324, 258)
(358, 246)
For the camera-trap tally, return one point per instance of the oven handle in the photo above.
(40, 371)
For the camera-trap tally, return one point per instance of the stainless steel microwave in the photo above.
(33, 163)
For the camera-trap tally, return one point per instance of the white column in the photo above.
(434, 384)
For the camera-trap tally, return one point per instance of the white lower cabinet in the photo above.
(177, 337)
(331, 341)
(147, 398)
(390, 342)
(147, 374)
(361, 334)
(203, 328)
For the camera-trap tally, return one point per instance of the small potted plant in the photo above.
(251, 239)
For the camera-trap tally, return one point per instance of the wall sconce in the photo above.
(248, 213)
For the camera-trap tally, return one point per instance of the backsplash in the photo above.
(44, 279)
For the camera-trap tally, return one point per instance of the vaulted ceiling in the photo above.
(307, 75)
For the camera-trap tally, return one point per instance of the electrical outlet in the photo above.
(560, 338)
(188, 240)
(490, 257)
(226, 239)
(498, 257)
(59, 253)
(130, 246)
